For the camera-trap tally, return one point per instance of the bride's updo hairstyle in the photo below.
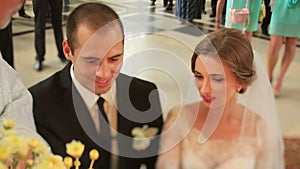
(233, 49)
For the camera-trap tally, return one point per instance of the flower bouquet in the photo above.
(19, 152)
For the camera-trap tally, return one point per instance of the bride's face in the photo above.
(216, 83)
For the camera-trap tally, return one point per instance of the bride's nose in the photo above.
(205, 87)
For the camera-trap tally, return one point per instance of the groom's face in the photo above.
(98, 57)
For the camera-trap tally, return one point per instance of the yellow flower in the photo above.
(8, 124)
(33, 143)
(94, 154)
(9, 132)
(16, 145)
(16, 149)
(2, 166)
(50, 161)
(41, 166)
(1, 130)
(4, 153)
(68, 161)
(77, 163)
(41, 148)
(29, 163)
(75, 148)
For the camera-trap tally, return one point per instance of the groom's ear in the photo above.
(67, 50)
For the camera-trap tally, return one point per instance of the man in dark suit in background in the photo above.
(22, 12)
(41, 9)
(69, 104)
(267, 19)
(168, 4)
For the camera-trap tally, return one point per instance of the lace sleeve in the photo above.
(263, 148)
(169, 157)
(16, 101)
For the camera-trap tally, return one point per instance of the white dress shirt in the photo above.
(90, 99)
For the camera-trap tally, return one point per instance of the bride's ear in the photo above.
(67, 50)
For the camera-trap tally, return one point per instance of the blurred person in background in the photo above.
(22, 12)
(251, 25)
(41, 9)
(284, 27)
(15, 99)
(266, 21)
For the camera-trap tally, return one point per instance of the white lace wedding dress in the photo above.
(182, 149)
(217, 154)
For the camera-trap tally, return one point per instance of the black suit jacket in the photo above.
(60, 116)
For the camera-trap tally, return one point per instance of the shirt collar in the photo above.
(91, 98)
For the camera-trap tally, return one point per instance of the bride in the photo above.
(235, 125)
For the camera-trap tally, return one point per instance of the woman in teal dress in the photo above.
(254, 8)
(284, 26)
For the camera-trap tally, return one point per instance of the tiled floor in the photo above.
(152, 34)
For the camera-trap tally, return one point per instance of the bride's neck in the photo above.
(229, 112)
(229, 122)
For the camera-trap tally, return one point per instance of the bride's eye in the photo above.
(218, 80)
(198, 76)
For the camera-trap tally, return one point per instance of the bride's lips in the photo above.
(103, 83)
(208, 99)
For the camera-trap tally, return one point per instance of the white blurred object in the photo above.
(143, 166)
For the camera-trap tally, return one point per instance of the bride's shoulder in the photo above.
(171, 116)
(253, 117)
(181, 113)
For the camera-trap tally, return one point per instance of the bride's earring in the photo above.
(240, 90)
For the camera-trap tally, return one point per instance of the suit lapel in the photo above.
(122, 104)
(75, 104)
(66, 84)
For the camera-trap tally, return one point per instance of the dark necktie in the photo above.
(105, 133)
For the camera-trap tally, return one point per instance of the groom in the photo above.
(91, 101)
